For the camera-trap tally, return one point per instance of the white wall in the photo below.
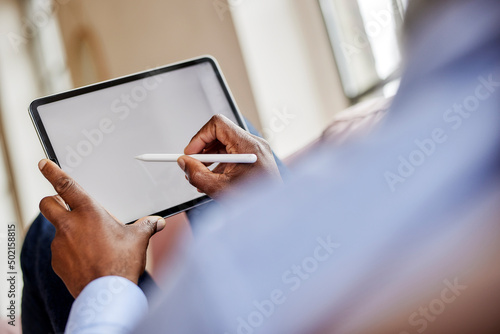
(291, 68)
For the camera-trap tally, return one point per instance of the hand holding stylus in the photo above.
(221, 136)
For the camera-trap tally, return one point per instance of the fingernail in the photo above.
(42, 164)
(160, 224)
(181, 163)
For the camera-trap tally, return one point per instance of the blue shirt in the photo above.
(348, 219)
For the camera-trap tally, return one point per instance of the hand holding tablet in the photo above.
(76, 257)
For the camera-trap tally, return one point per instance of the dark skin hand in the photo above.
(89, 242)
(222, 136)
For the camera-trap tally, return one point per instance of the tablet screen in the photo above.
(96, 135)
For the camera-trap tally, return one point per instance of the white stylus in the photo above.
(224, 158)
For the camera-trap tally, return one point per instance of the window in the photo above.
(364, 35)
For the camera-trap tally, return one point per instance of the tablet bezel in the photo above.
(50, 153)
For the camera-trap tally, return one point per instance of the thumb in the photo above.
(199, 175)
(147, 226)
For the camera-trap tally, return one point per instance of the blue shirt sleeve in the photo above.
(109, 304)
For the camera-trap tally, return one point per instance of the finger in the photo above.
(65, 186)
(146, 227)
(218, 128)
(199, 175)
(51, 208)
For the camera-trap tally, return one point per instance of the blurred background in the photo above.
(291, 65)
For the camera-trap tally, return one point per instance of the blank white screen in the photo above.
(96, 136)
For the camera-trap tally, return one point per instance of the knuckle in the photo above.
(221, 120)
(194, 177)
(217, 118)
(261, 146)
(264, 145)
(64, 185)
(260, 140)
(149, 224)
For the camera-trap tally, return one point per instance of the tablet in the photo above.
(93, 133)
